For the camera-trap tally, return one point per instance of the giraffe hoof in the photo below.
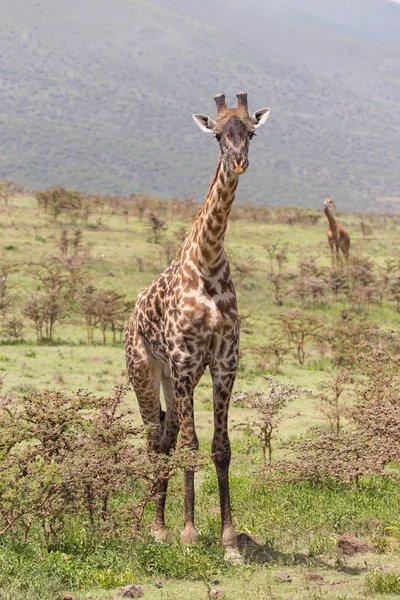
(159, 532)
(229, 539)
(189, 536)
(233, 556)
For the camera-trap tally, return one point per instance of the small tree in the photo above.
(300, 326)
(141, 204)
(63, 454)
(243, 267)
(58, 200)
(346, 336)
(87, 303)
(49, 304)
(109, 311)
(330, 405)
(156, 227)
(14, 328)
(7, 299)
(277, 255)
(77, 240)
(268, 406)
(34, 310)
(370, 441)
(273, 352)
(170, 250)
(64, 242)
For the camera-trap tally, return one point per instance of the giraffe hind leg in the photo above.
(145, 375)
(169, 435)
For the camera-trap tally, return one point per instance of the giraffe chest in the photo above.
(201, 320)
(189, 316)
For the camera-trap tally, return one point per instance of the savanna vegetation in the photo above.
(315, 415)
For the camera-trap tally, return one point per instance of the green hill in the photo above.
(99, 96)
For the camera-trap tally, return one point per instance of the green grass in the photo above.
(296, 527)
(383, 583)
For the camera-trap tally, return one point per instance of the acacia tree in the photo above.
(50, 302)
(347, 334)
(274, 352)
(243, 266)
(300, 326)
(330, 404)
(87, 303)
(370, 441)
(34, 310)
(268, 406)
(64, 242)
(58, 200)
(109, 311)
(278, 256)
(156, 228)
(66, 453)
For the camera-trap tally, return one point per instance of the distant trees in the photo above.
(62, 288)
(104, 309)
(156, 228)
(66, 288)
(58, 200)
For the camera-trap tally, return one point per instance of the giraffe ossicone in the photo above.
(187, 320)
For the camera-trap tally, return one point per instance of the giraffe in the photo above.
(187, 319)
(338, 237)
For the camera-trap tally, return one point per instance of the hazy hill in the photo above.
(98, 95)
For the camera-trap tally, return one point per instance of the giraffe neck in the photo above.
(331, 219)
(208, 231)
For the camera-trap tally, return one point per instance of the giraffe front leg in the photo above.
(188, 439)
(184, 380)
(221, 452)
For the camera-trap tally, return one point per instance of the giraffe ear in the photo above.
(204, 123)
(260, 116)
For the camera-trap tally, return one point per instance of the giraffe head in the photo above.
(233, 129)
(329, 202)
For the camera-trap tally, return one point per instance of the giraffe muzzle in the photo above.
(239, 166)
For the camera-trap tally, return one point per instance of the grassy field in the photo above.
(296, 526)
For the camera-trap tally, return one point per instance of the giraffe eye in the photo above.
(252, 134)
(217, 137)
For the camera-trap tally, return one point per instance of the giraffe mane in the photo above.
(214, 179)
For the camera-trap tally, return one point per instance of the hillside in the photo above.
(99, 97)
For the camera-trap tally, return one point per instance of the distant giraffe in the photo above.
(187, 319)
(338, 237)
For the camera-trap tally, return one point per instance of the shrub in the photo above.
(63, 455)
(369, 443)
(268, 407)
